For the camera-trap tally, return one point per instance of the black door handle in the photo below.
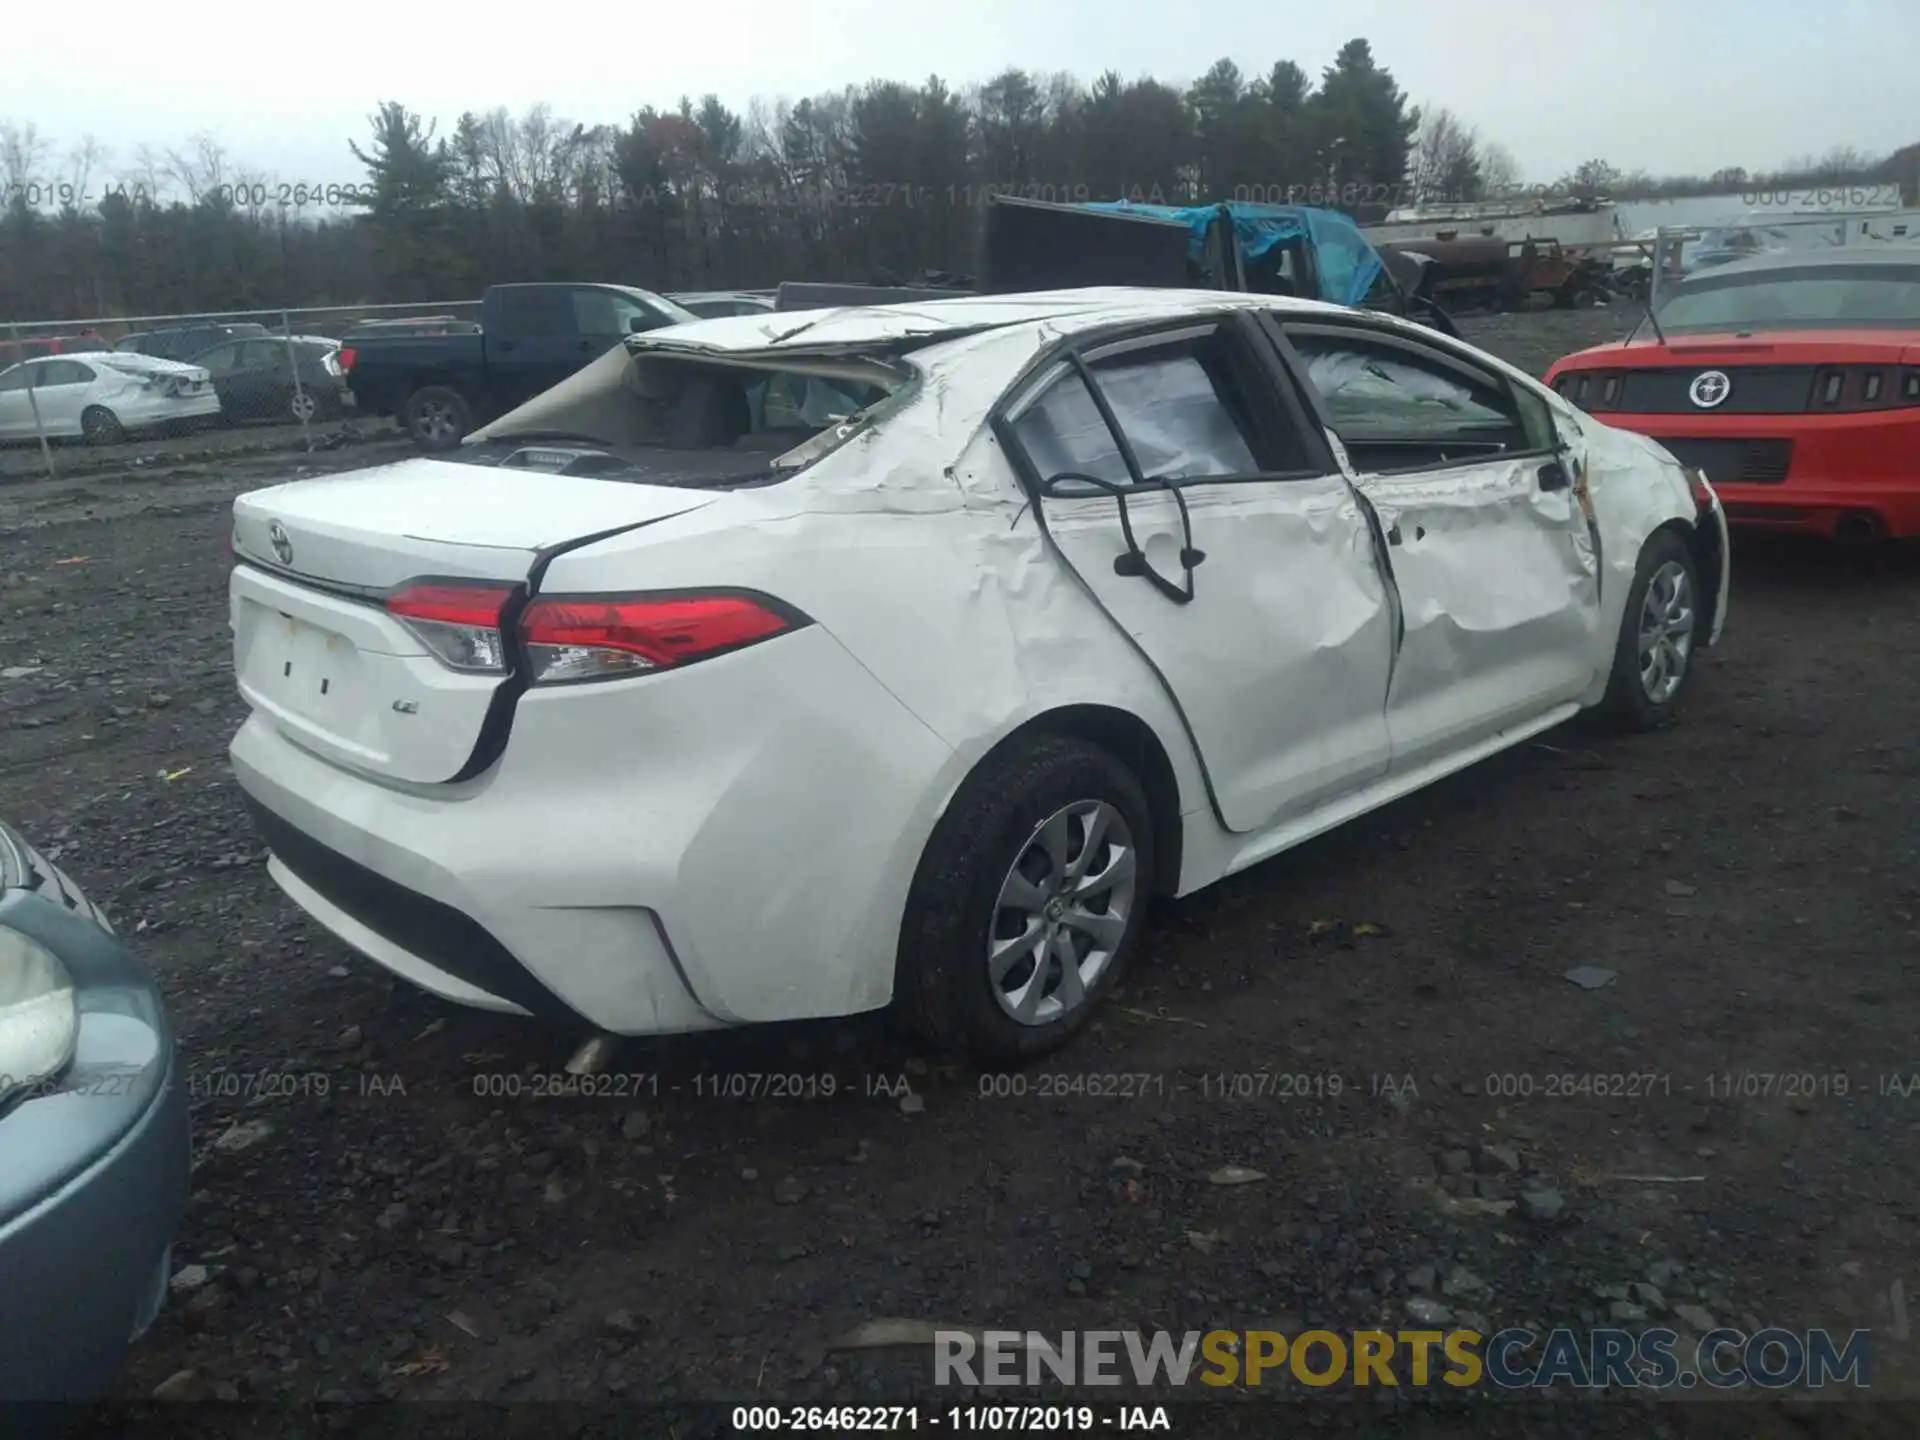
(1553, 476)
(509, 344)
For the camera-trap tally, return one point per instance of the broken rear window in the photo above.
(786, 415)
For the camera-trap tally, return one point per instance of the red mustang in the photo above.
(1792, 380)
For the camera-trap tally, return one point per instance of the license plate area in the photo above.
(306, 670)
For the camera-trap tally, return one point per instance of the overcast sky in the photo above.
(1669, 85)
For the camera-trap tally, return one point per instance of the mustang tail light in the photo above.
(1863, 387)
(347, 356)
(1590, 389)
(458, 621)
(605, 637)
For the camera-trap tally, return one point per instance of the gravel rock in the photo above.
(620, 1322)
(1462, 1281)
(1542, 1206)
(1695, 1318)
(1498, 1160)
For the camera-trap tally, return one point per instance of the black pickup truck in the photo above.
(531, 338)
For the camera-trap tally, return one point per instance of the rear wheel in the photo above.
(1027, 903)
(304, 407)
(101, 426)
(1653, 658)
(437, 417)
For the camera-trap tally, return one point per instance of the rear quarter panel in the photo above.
(947, 598)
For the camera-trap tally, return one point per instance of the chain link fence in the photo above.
(110, 387)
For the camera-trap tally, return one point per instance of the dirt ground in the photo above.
(381, 1208)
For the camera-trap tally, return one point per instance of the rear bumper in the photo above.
(93, 1176)
(1818, 474)
(199, 410)
(722, 845)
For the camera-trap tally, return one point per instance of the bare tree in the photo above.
(1843, 162)
(201, 169)
(1591, 178)
(147, 177)
(23, 150)
(1499, 171)
(85, 158)
(1445, 164)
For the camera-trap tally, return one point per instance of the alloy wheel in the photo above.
(1062, 912)
(1666, 632)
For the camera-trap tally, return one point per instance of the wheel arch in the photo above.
(434, 381)
(1136, 744)
(1709, 561)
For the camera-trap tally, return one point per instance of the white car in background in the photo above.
(102, 397)
(661, 706)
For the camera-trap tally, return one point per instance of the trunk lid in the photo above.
(317, 654)
(1859, 345)
(374, 529)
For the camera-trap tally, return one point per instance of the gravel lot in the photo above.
(368, 1221)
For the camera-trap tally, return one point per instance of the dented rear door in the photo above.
(1250, 583)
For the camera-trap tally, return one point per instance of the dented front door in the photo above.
(1256, 597)
(1499, 588)
(1487, 532)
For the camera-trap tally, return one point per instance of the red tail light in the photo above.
(595, 637)
(1863, 387)
(347, 356)
(457, 620)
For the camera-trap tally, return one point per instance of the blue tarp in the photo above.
(1346, 261)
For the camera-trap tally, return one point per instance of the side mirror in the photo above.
(638, 324)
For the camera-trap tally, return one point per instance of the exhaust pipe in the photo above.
(1859, 528)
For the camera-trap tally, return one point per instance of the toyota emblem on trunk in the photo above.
(283, 547)
(1710, 388)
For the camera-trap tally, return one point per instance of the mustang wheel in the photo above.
(1654, 656)
(1027, 902)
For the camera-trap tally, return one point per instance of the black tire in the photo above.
(942, 990)
(101, 426)
(437, 416)
(1627, 705)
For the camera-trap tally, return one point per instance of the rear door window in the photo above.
(64, 372)
(1188, 407)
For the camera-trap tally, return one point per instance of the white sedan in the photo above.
(102, 397)
(798, 665)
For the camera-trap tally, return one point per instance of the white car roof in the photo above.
(857, 327)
